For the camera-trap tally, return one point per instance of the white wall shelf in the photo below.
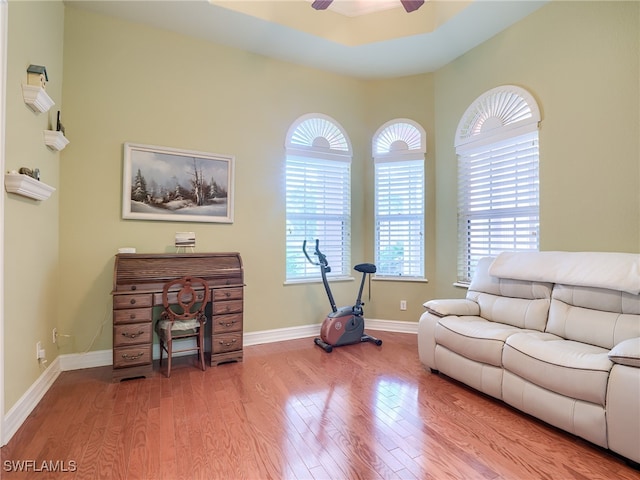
(27, 186)
(36, 98)
(55, 140)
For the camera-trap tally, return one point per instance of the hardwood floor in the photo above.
(292, 411)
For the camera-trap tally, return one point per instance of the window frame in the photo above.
(399, 147)
(322, 143)
(498, 125)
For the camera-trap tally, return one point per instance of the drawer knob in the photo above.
(133, 334)
(133, 287)
(132, 357)
(227, 324)
(132, 316)
(132, 301)
(227, 294)
(226, 344)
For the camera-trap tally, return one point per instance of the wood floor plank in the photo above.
(292, 411)
(163, 459)
(153, 445)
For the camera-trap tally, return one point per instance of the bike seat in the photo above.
(365, 268)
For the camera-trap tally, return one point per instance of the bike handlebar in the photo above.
(304, 249)
(322, 258)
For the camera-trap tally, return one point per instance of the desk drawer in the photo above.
(227, 323)
(223, 308)
(132, 301)
(173, 297)
(132, 315)
(230, 279)
(220, 294)
(131, 334)
(226, 342)
(139, 287)
(131, 356)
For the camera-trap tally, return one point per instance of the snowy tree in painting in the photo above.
(139, 188)
(184, 190)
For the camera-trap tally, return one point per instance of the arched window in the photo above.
(399, 147)
(318, 191)
(498, 187)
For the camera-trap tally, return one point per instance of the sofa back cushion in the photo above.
(596, 316)
(519, 303)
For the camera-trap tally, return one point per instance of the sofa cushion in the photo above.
(517, 312)
(594, 315)
(505, 287)
(474, 338)
(481, 376)
(574, 369)
(607, 270)
(584, 419)
(513, 302)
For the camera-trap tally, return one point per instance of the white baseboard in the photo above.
(280, 334)
(16, 416)
(392, 326)
(77, 361)
(292, 333)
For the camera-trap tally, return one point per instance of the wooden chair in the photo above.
(184, 300)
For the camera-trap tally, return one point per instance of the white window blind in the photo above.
(400, 218)
(498, 200)
(318, 207)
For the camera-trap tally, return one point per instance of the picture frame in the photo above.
(170, 184)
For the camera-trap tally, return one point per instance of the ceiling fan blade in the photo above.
(411, 5)
(321, 4)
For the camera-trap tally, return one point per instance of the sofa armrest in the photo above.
(623, 411)
(456, 306)
(626, 353)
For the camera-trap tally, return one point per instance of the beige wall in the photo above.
(407, 97)
(580, 62)
(125, 82)
(31, 227)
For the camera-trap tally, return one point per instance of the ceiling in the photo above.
(349, 38)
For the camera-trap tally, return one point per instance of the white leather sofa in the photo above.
(554, 334)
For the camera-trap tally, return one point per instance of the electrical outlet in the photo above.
(403, 304)
(40, 352)
(54, 335)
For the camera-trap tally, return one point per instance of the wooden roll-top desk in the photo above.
(138, 280)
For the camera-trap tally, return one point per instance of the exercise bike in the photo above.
(344, 325)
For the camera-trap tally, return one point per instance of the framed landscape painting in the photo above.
(162, 183)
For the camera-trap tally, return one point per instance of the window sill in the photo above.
(400, 279)
(318, 280)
